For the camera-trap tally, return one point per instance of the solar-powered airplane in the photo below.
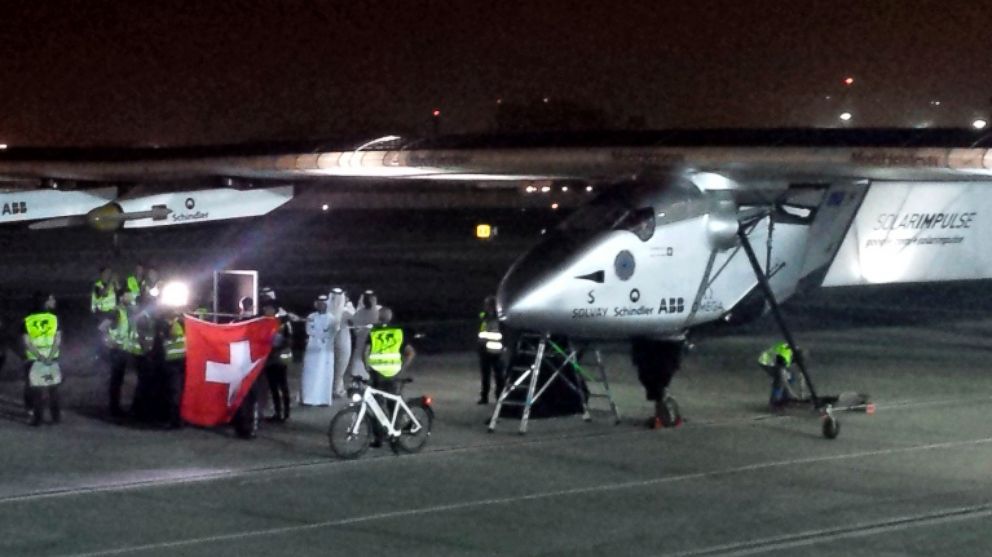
(692, 228)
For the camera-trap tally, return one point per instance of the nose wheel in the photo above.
(830, 426)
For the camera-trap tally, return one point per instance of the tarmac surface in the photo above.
(913, 479)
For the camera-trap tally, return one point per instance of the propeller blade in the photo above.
(60, 222)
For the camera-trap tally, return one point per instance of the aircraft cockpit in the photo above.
(637, 208)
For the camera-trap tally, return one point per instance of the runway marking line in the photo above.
(803, 539)
(859, 530)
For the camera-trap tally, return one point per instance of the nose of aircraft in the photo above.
(523, 295)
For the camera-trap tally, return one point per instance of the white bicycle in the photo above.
(407, 430)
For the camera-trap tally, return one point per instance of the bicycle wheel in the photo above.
(348, 439)
(411, 438)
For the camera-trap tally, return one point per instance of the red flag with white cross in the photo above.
(222, 363)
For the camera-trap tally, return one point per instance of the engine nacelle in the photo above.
(721, 221)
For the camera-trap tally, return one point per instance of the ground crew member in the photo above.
(42, 341)
(386, 355)
(275, 366)
(103, 299)
(490, 350)
(148, 357)
(174, 367)
(120, 343)
(657, 361)
(776, 361)
(135, 281)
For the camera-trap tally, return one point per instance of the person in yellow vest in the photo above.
(386, 356)
(103, 297)
(42, 341)
(174, 366)
(135, 281)
(490, 350)
(786, 385)
(120, 343)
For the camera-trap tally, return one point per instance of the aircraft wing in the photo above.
(919, 197)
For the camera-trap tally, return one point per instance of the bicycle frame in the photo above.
(369, 402)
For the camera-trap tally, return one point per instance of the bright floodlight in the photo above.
(979, 123)
(846, 116)
(3, 146)
(175, 294)
(325, 207)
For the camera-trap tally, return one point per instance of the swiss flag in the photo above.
(222, 363)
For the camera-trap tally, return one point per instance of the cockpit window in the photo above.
(603, 213)
(639, 208)
(641, 222)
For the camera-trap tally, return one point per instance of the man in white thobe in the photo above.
(318, 360)
(342, 310)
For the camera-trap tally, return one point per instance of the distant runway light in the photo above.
(846, 116)
(979, 124)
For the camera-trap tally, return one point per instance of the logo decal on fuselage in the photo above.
(671, 305)
(15, 208)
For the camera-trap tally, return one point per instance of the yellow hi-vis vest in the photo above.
(489, 335)
(42, 328)
(107, 302)
(384, 355)
(123, 335)
(134, 286)
(770, 356)
(175, 344)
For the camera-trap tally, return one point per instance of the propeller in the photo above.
(105, 218)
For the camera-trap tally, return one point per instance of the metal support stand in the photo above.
(830, 425)
(538, 346)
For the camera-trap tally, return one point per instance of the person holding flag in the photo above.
(223, 361)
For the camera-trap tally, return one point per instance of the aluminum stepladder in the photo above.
(544, 351)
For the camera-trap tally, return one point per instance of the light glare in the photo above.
(979, 124)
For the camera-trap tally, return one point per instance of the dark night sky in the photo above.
(136, 72)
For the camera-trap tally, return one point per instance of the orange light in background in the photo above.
(483, 231)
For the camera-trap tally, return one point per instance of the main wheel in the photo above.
(831, 427)
(348, 438)
(247, 417)
(412, 438)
